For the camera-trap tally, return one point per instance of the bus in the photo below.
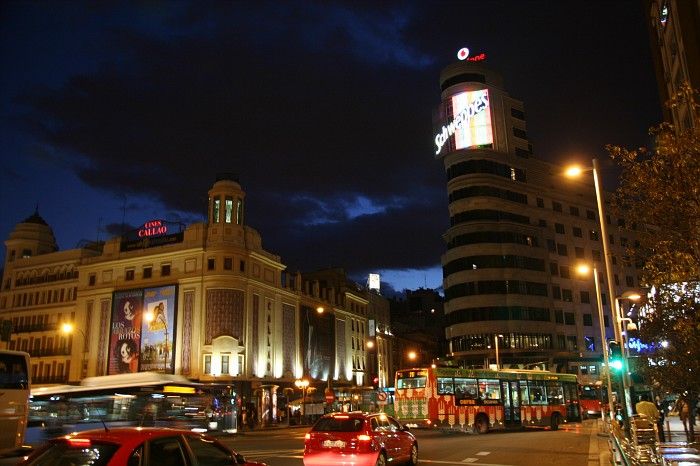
(593, 399)
(479, 400)
(14, 398)
(141, 399)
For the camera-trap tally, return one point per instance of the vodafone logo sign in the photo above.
(463, 53)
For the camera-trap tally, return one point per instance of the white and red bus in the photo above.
(14, 398)
(480, 400)
(593, 398)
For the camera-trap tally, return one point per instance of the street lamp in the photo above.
(583, 270)
(68, 329)
(150, 317)
(303, 384)
(498, 363)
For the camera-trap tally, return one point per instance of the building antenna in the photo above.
(99, 225)
(123, 212)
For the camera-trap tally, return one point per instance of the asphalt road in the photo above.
(572, 445)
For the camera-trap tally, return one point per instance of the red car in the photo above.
(359, 439)
(135, 446)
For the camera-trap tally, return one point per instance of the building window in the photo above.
(228, 263)
(595, 255)
(556, 292)
(129, 274)
(611, 238)
(579, 253)
(559, 316)
(92, 278)
(567, 295)
(556, 206)
(561, 249)
(216, 209)
(574, 211)
(606, 321)
(571, 343)
(211, 263)
(564, 271)
(559, 228)
(593, 235)
(228, 217)
(165, 270)
(225, 370)
(590, 343)
(590, 215)
(585, 297)
(540, 202)
(551, 245)
(588, 320)
(629, 281)
(241, 266)
(239, 212)
(207, 363)
(577, 232)
(147, 272)
(553, 268)
(543, 223)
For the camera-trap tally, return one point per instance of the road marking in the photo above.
(422, 461)
(483, 453)
(470, 460)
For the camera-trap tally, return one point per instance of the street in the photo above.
(575, 445)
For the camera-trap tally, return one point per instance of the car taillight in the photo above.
(79, 442)
(307, 436)
(364, 438)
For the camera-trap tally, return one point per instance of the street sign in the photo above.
(330, 395)
(381, 398)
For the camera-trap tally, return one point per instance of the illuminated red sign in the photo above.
(463, 54)
(152, 228)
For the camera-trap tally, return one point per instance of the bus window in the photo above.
(410, 382)
(555, 393)
(489, 389)
(524, 397)
(466, 388)
(445, 386)
(537, 392)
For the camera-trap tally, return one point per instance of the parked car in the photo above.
(135, 446)
(359, 439)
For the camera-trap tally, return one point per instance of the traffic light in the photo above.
(616, 360)
(375, 381)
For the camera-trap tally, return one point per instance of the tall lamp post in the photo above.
(69, 329)
(575, 172)
(303, 384)
(583, 270)
(498, 361)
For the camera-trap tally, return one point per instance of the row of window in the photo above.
(230, 213)
(488, 167)
(480, 215)
(493, 262)
(487, 341)
(496, 237)
(478, 314)
(46, 277)
(487, 191)
(41, 297)
(496, 287)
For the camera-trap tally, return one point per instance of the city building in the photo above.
(518, 230)
(205, 300)
(674, 32)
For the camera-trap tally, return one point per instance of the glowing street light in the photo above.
(303, 384)
(68, 329)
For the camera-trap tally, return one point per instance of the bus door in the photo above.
(573, 409)
(510, 390)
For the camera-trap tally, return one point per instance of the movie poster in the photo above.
(125, 337)
(158, 329)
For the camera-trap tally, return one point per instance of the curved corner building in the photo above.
(517, 231)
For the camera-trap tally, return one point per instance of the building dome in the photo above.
(32, 237)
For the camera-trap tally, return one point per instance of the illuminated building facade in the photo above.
(206, 301)
(518, 229)
(674, 31)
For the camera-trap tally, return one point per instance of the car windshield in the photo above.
(62, 452)
(333, 424)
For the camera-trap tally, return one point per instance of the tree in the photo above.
(659, 194)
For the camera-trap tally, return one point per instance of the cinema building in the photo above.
(518, 229)
(206, 301)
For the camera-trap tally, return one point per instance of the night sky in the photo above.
(115, 113)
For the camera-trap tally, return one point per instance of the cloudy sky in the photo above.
(114, 113)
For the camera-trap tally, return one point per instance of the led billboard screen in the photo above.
(469, 123)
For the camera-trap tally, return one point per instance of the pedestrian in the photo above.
(662, 418)
(683, 409)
